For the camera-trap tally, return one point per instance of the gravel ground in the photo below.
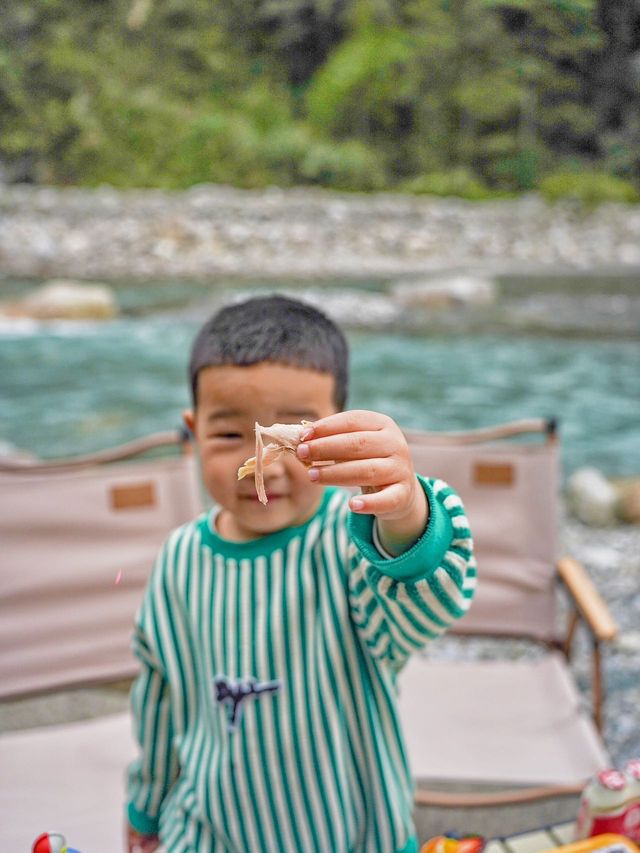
(612, 558)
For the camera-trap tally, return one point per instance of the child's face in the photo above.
(230, 401)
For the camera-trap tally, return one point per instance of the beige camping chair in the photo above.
(518, 726)
(69, 529)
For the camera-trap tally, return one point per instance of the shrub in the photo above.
(284, 150)
(457, 182)
(343, 165)
(589, 188)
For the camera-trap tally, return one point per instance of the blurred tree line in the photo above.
(468, 97)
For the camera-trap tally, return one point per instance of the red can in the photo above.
(632, 772)
(609, 805)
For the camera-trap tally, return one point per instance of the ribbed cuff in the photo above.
(141, 821)
(410, 847)
(424, 556)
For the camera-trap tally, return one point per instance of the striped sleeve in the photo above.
(399, 604)
(151, 775)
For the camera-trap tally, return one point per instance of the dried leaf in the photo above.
(283, 437)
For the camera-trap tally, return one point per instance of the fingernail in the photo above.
(303, 451)
(356, 504)
(308, 432)
(314, 474)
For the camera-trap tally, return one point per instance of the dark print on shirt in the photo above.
(233, 692)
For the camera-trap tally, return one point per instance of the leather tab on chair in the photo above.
(493, 474)
(133, 496)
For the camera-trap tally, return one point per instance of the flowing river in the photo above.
(69, 387)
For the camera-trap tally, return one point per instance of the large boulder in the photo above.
(446, 292)
(592, 498)
(65, 300)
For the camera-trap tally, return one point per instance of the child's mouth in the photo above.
(255, 499)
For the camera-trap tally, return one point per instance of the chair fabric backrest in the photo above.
(67, 535)
(510, 494)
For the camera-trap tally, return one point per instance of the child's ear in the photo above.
(189, 420)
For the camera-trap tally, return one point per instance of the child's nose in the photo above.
(275, 469)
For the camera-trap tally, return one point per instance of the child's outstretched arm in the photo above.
(411, 575)
(370, 451)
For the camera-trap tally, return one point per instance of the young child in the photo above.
(270, 637)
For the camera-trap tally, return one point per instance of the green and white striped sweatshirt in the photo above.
(316, 761)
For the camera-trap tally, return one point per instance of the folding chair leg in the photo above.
(598, 688)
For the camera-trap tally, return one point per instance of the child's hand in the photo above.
(139, 843)
(370, 451)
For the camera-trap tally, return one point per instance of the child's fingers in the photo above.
(354, 420)
(139, 843)
(365, 472)
(350, 445)
(384, 502)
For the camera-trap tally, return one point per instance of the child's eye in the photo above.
(228, 436)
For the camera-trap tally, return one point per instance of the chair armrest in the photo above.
(588, 601)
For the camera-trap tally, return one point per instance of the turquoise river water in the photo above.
(68, 387)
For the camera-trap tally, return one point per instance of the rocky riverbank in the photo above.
(212, 231)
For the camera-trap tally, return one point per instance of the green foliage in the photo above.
(348, 166)
(356, 90)
(465, 97)
(555, 43)
(589, 188)
(457, 182)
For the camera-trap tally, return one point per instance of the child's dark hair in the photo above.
(276, 329)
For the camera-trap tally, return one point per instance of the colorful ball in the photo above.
(50, 842)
